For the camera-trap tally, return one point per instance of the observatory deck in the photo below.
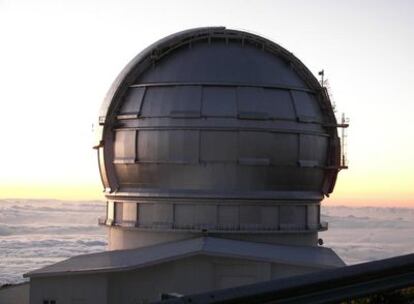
(223, 228)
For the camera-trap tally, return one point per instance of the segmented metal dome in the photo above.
(216, 130)
(217, 113)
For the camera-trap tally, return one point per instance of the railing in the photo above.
(251, 228)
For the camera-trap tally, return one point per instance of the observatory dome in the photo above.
(211, 119)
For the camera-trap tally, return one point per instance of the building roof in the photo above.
(345, 285)
(122, 260)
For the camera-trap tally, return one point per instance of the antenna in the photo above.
(343, 162)
(322, 74)
(344, 139)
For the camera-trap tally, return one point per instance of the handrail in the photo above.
(213, 228)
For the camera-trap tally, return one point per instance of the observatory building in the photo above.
(216, 148)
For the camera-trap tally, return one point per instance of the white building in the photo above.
(184, 267)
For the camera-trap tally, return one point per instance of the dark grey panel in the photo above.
(254, 161)
(206, 215)
(163, 215)
(218, 177)
(313, 148)
(124, 146)
(253, 178)
(250, 215)
(225, 62)
(270, 216)
(278, 103)
(168, 146)
(133, 101)
(228, 216)
(255, 145)
(285, 149)
(307, 107)
(186, 101)
(260, 103)
(292, 217)
(158, 101)
(177, 176)
(172, 101)
(251, 104)
(184, 215)
(145, 214)
(220, 146)
(219, 101)
(309, 179)
(294, 178)
(277, 148)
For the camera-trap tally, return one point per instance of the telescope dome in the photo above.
(217, 116)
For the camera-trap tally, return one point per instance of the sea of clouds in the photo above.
(35, 233)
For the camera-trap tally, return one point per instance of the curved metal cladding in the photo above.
(217, 115)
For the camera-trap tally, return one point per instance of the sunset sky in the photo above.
(58, 59)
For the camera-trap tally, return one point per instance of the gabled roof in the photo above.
(122, 260)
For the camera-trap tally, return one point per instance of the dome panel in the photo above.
(219, 61)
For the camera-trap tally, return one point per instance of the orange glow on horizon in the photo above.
(50, 191)
(355, 196)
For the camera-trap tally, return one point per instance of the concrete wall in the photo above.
(185, 276)
(15, 294)
(280, 271)
(192, 275)
(75, 289)
(128, 238)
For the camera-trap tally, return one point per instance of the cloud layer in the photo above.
(35, 233)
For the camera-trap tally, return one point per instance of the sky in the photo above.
(58, 59)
